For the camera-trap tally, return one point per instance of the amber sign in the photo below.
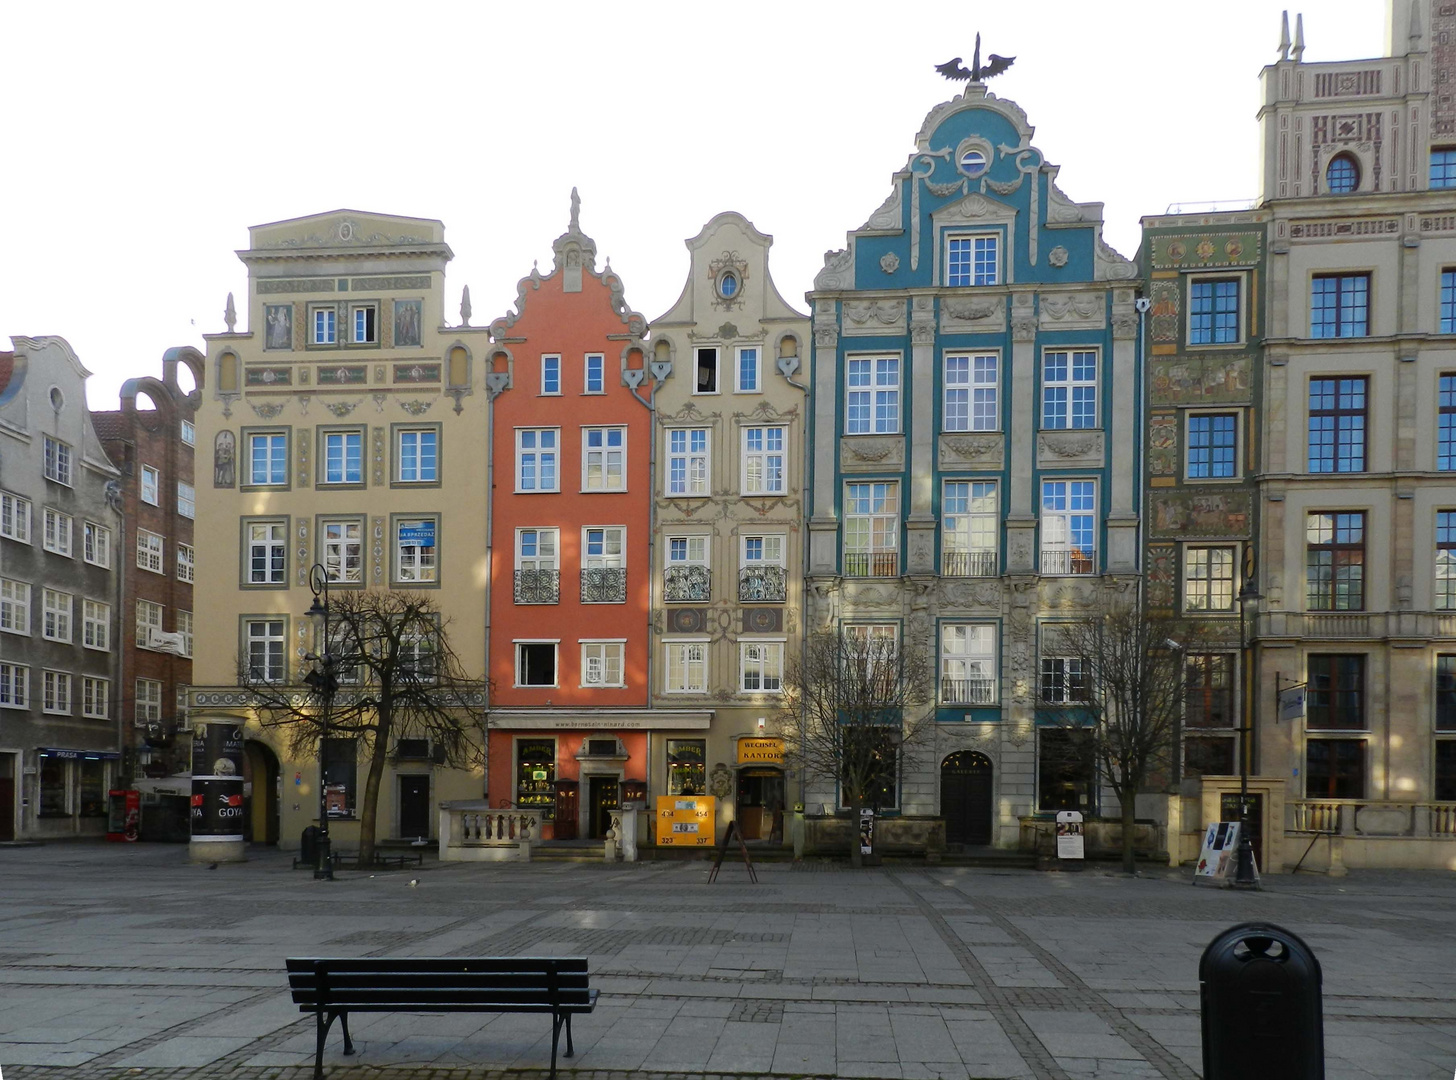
(760, 751)
(686, 821)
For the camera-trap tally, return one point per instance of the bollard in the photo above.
(1259, 987)
(308, 846)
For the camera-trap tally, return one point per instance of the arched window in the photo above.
(1343, 175)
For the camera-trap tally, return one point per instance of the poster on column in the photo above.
(217, 782)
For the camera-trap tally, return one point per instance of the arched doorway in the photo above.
(261, 781)
(966, 797)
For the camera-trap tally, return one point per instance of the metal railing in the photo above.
(764, 582)
(968, 691)
(686, 583)
(871, 564)
(979, 563)
(538, 587)
(1067, 561)
(603, 585)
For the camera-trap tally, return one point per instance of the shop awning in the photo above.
(77, 755)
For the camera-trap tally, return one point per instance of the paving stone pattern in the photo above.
(125, 961)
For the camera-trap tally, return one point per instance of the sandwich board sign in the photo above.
(1070, 840)
(1220, 852)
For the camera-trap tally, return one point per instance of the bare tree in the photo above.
(398, 678)
(852, 714)
(1119, 688)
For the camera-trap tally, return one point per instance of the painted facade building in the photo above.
(61, 567)
(975, 460)
(1357, 522)
(346, 426)
(727, 535)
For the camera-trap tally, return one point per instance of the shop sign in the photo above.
(1220, 842)
(217, 782)
(417, 534)
(686, 820)
(760, 751)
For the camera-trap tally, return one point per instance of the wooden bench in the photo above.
(332, 988)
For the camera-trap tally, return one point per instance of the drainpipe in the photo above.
(114, 500)
(788, 366)
(633, 378)
(489, 575)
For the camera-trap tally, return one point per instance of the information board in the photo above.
(1071, 843)
(686, 820)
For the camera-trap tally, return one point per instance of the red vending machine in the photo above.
(123, 815)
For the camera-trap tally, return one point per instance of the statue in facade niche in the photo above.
(223, 457)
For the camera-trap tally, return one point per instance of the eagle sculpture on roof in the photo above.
(956, 72)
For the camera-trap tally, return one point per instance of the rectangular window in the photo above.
(1065, 770)
(1213, 317)
(604, 459)
(1063, 680)
(148, 701)
(151, 486)
(1339, 305)
(971, 393)
(601, 663)
(762, 577)
(1334, 769)
(537, 575)
(686, 578)
(1212, 446)
(970, 527)
(95, 698)
(14, 686)
(186, 500)
(1448, 301)
(595, 378)
(972, 260)
(14, 606)
(1446, 559)
(1068, 527)
(872, 406)
(148, 622)
(58, 532)
(54, 787)
(55, 615)
(96, 625)
(706, 381)
(1446, 424)
(872, 648)
(968, 664)
(1446, 693)
(747, 368)
(1209, 701)
(57, 460)
(150, 549)
(1208, 579)
(1337, 425)
(343, 457)
(186, 563)
(416, 556)
(872, 529)
(96, 544)
(550, 374)
(535, 663)
(324, 329)
(536, 776)
(603, 565)
(366, 317)
(1443, 167)
(56, 696)
(687, 766)
(536, 450)
(267, 553)
(1335, 561)
(189, 433)
(1445, 788)
(1335, 696)
(1205, 755)
(762, 664)
(687, 667)
(417, 657)
(344, 551)
(14, 517)
(341, 776)
(416, 455)
(687, 461)
(268, 459)
(184, 627)
(265, 650)
(763, 461)
(1069, 389)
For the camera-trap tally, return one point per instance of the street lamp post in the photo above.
(1244, 875)
(323, 680)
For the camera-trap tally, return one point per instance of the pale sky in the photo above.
(141, 140)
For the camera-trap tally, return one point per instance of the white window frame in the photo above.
(872, 384)
(686, 557)
(370, 312)
(753, 355)
(336, 543)
(273, 542)
(185, 628)
(544, 368)
(605, 652)
(151, 551)
(267, 638)
(555, 644)
(271, 452)
(971, 400)
(95, 698)
(765, 668)
(148, 618)
(975, 277)
(148, 707)
(423, 565)
(779, 540)
(1056, 531)
(59, 460)
(681, 655)
(540, 560)
(188, 432)
(606, 560)
(969, 653)
(57, 533)
(327, 453)
(96, 625)
(14, 517)
(758, 464)
(1206, 577)
(15, 606)
(186, 563)
(972, 538)
(14, 686)
(56, 697)
(876, 532)
(57, 611)
(420, 434)
(604, 456)
(96, 544)
(1071, 385)
(689, 472)
(151, 489)
(540, 455)
(323, 326)
(1067, 677)
(599, 362)
(186, 500)
(698, 354)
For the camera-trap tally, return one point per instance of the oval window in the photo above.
(1342, 176)
(973, 163)
(728, 286)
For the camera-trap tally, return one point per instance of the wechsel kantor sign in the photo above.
(760, 751)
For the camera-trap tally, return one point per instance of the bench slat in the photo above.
(382, 964)
(341, 998)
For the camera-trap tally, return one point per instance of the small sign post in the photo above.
(1071, 841)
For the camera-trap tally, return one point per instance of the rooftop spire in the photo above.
(575, 211)
(1284, 36)
(1299, 38)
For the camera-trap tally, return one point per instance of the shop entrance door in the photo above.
(1228, 810)
(7, 796)
(966, 798)
(602, 793)
(760, 807)
(262, 771)
(414, 806)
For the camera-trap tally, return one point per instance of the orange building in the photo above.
(570, 548)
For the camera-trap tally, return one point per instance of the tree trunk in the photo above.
(369, 809)
(1129, 828)
(856, 857)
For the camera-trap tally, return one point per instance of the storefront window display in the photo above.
(92, 788)
(536, 776)
(52, 787)
(342, 774)
(686, 774)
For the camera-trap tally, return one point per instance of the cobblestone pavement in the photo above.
(125, 961)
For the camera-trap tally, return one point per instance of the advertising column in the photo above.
(217, 792)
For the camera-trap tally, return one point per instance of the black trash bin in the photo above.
(308, 847)
(1260, 990)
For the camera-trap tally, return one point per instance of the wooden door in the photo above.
(414, 807)
(7, 808)
(966, 798)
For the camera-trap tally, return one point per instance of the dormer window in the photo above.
(972, 260)
(973, 163)
(1342, 176)
(728, 285)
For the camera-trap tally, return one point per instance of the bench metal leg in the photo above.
(555, 1035)
(322, 1025)
(348, 1042)
(570, 1050)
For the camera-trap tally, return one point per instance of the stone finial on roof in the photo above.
(1284, 36)
(1298, 51)
(465, 306)
(230, 314)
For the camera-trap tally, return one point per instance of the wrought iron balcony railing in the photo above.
(968, 691)
(1067, 561)
(981, 563)
(763, 583)
(686, 583)
(871, 564)
(538, 586)
(604, 585)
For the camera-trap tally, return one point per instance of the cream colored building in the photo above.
(343, 423)
(1358, 449)
(727, 538)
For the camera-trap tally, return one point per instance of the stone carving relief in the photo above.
(889, 262)
(342, 409)
(973, 449)
(871, 453)
(875, 316)
(268, 410)
(376, 549)
(970, 594)
(416, 408)
(890, 215)
(963, 314)
(1058, 256)
(1021, 654)
(377, 453)
(1079, 311)
(1111, 266)
(303, 441)
(1060, 449)
(1023, 318)
(838, 272)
